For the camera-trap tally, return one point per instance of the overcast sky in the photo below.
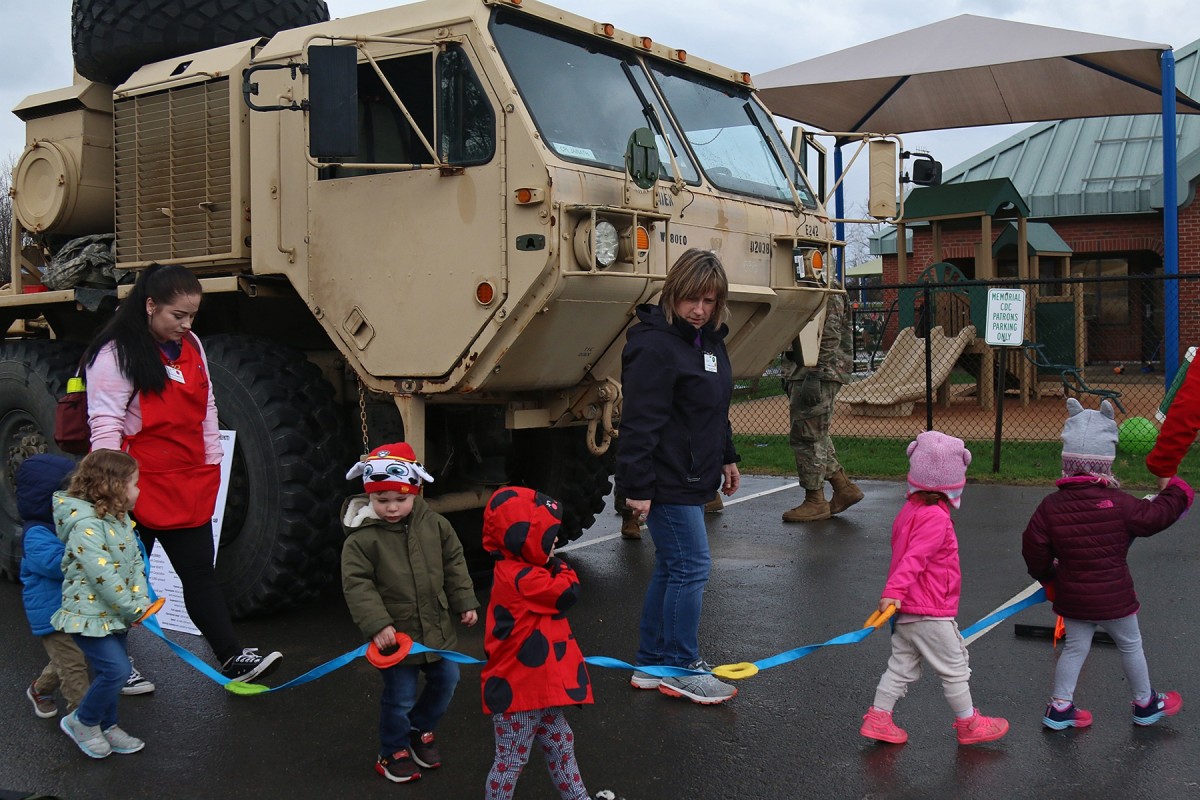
(751, 35)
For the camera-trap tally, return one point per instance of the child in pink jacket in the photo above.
(924, 582)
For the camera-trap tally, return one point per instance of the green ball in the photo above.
(1136, 436)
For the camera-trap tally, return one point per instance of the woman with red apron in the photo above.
(149, 394)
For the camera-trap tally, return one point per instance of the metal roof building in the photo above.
(1101, 165)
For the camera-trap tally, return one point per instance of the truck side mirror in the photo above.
(927, 172)
(333, 102)
(641, 158)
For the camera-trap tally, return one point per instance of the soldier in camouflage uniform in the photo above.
(811, 394)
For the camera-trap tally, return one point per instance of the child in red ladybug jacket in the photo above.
(534, 665)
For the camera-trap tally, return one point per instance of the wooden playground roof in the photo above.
(973, 199)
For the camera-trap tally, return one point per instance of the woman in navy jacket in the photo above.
(676, 449)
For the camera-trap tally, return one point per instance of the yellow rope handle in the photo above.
(877, 617)
(152, 610)
(735, 672)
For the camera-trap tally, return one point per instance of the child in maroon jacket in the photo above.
(1077, 542)
(534, 665)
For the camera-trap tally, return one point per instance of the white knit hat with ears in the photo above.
(390, 468)
(938, 463)
(1089, 440)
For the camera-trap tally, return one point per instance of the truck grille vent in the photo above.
(173, 174)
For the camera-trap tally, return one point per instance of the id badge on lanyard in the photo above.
(710, 362)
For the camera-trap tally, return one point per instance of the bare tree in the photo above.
(858, 237)
(6, 218)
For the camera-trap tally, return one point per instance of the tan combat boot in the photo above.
(715, 505)
(631, 526)
(845, 492)
(812, 509)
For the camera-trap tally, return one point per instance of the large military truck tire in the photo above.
(557, 462)
(280, 532)
(110, 39)
(33, 375)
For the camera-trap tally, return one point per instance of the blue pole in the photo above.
(839, 210)
(1170, 222)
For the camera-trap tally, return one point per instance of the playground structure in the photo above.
(1055, 335)
(899, 382)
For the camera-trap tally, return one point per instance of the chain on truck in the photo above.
(430, 223)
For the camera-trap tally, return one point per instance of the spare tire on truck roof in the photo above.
(110, 39)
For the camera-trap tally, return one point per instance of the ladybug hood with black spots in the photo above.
(533, 660)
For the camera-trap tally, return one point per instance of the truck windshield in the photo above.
(737, 145)
(586, 98)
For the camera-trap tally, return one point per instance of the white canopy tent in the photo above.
(970, 70)
(967, 71)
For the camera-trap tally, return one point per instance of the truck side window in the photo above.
(384, 135)
(465, 117)
(466, 121)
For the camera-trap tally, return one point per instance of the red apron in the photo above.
(178, 490)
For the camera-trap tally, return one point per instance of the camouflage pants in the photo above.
(816, 458)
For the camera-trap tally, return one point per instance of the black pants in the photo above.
(191, 553)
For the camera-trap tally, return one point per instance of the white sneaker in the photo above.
(89, 738)
(122, 742)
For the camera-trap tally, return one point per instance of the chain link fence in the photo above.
(921, 362)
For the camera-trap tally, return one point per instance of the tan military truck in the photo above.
(432, 222)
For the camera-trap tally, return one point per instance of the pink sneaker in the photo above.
(878, 725)
(1160, 704)
(977, 728)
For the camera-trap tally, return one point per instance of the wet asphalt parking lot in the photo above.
(792, 732)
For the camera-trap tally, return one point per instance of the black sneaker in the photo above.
(1069, 717)
(424, 749)
(136, 683)
(250, 665)
(398, 768)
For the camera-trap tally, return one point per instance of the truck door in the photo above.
(397, 252)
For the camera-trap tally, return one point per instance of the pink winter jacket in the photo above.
(115, 412)
(924, 574)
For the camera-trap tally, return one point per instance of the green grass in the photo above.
(1020, 462)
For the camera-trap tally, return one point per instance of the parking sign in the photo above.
(1005, 326)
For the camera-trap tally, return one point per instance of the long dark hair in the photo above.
(129, 330)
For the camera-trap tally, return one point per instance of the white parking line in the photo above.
(1016, 598)
(609, 537)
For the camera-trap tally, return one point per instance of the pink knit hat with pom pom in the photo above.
(938, 463)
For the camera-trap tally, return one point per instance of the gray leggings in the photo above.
(1128, 637)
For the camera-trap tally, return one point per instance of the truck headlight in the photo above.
(603, 238)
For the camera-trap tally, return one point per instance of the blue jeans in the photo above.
(403, 711)
(670, 629)
(109, 660)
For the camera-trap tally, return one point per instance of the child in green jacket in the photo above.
(402, 568)
(104, 591)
